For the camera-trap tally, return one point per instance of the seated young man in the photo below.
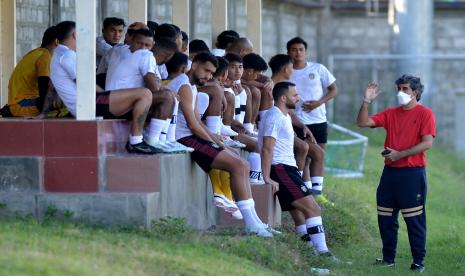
(209, 151)
(30, 81)
(112, 32)
(110, 104)
(177, 67)
(137, 68)
(254, 65)
(116, 50)
(242, 100)
(276, 139)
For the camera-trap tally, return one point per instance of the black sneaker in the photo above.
(419, 268)
(142, 148)
(382, 262)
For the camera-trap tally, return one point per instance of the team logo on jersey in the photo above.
(311, 76)
(304, 188)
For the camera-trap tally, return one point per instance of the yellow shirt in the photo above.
(23, 84)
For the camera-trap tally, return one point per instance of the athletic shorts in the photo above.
(204, 153)
(319, 131)
(102, 107)
(291, 185)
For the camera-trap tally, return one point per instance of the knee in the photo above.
(146, 95)
(315, 153)
(301, 149)
(255, 94)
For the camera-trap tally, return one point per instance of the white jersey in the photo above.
(218, 52)
(102, 47)
(310, 82)
(278, 125)
(163, 71)
(182, 129)
(63, 76)
(129, 69)
(240, 106)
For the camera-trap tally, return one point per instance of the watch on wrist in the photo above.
(367, 100)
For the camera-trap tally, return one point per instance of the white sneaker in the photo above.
(258, 230)
(227, 131)
(159, 146)
(237, 215)
(222, 202)
(180, 146)
(271, 230)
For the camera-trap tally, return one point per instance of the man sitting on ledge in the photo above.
(125, 103)
(30, 81)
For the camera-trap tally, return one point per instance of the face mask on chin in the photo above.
(403, 98)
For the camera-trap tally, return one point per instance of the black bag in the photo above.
(5, 111)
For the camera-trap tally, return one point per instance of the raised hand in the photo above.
(372, 91)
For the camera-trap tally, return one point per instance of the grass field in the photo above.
(171, 248)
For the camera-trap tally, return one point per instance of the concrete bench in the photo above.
(81, 167)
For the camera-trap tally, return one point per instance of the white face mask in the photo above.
(403, 98)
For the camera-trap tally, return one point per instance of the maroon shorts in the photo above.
(102, 107)
(291, 185)
(204, 153)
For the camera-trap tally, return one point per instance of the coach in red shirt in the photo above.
(410, 129)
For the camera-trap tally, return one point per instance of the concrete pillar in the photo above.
(254, 23)
(413, 35)
(181, 14)
(7, 46)
(219, 18)
(86, 20)
(137, 11)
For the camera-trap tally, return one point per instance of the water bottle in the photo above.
(319, 271)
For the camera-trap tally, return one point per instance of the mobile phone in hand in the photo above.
(386, 151)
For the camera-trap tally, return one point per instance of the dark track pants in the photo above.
(404, 190)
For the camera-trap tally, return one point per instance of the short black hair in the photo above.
(296, 40)
(152, 26)
(142, 32)
(64, 29)
(185, 37)
(415, 84)
(222, 66)
(255, 62)
(206, 57)
(233, 58)
(178, 30)
(166, 30)
(166, 44)
(198, 46)
(277, 62)
(113, 21)
(49, 37)
(225, 38)
(281, 88)
(176, 62)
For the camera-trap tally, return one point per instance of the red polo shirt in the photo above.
(404, 129)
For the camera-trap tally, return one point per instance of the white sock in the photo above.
(308, 184)
(243, 102)
(164, 131)
(301, 230)
(254, 212)
(213, 124)
(317, 184)
(247, 214)
(155, 128)
(172, 128)
(317, 233)
(135, 139)
(248, 127)
(255, 165)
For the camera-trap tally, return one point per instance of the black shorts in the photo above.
(204, 153)
(102, 107)
(291, 185)
(319, 131)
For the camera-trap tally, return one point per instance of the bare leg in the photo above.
(251, 144)
(228, 115)
(163, 104)
(214, 106)
(300, 152)
(298, 217)
(138, 100)
(239, 171)
(317, 155)
(248, 108)
(256, 97)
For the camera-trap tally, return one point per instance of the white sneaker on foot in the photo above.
(258, 230)
(227, 131)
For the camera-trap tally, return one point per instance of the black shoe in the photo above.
(142, 148)
(382, 262)
(419, 268)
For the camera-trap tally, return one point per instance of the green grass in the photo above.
(171, 248)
